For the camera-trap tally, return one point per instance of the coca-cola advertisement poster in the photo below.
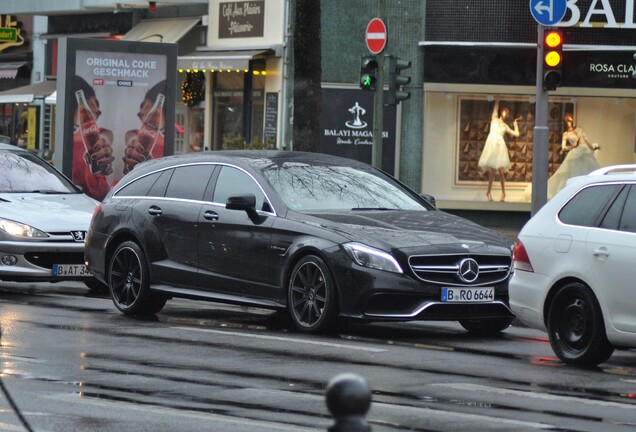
(117, 108)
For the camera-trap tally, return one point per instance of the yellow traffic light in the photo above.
(553, 39)
(552, 58)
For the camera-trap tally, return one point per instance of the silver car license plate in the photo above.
(70, 270)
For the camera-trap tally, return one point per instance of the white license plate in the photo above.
(468, 295)
(70, 270)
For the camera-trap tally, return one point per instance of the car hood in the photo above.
(49, 212)
(412, 229)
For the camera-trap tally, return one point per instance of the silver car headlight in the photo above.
(16, 229)
(373, 258)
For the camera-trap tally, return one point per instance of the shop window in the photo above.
(228, 110)
(189, 123)
(239, 108)
(474, 125)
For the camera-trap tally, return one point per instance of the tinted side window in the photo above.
(140, 186)
(231, 182)
(159, 188)
(613, 216)
(628, 220)
(189, 182)
(586, 206)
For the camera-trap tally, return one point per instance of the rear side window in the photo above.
(159, 188)
(628, 219)
(189, 182)
(140, 186)
(586, 206)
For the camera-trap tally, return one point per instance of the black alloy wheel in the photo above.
(486, 326)
(311, 296)
(576, 328)
(129, 282)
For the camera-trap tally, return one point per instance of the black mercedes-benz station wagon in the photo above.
(321, 236)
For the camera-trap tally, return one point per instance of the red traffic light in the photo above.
(553, 39)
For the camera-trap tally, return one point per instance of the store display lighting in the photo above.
(255, 72)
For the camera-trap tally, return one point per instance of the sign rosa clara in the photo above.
(604, 67)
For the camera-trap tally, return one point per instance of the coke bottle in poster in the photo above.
(150, 129)
(89, 132)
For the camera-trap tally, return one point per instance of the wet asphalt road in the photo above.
(71, 362)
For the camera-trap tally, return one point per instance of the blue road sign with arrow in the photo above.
(547, 12)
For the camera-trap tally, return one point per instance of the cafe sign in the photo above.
(9, 33)
(242, 19)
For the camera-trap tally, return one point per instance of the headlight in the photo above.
(15, 229)
(373, 258)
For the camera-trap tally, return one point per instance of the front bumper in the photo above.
(384, 296)
(35, 260)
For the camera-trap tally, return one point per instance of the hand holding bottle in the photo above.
(140, 143)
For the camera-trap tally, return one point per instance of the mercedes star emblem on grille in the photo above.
(468, 270)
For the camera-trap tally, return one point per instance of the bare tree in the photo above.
(307, 76)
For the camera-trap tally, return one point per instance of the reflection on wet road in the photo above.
(71, 362)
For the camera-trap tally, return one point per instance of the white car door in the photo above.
(611, 255)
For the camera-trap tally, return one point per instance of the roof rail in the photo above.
(615, 169)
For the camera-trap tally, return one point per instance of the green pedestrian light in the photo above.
(368, 70)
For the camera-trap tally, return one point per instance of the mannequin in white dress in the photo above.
(494, 157)
(580, 159)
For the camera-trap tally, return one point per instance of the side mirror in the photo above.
(429, 199)
(245, 202)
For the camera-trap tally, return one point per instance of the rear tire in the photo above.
(486, 326)
(129, 282)
(576, 327)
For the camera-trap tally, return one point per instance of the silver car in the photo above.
(43, 221)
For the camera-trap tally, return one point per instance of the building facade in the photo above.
(235, 86)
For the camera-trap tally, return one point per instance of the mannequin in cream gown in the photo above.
(580, 159)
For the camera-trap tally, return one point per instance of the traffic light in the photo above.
(552, 59)
(368, 70)
(396, 80)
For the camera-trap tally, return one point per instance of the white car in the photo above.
(43, 221)
(573, 267)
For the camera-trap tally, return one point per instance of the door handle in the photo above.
(601, 252)
(210, 215)
(155, 211)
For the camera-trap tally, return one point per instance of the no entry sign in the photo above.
(376, 36)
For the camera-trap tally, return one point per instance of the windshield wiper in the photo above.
(47, 191)
(372, 208)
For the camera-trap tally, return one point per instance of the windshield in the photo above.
(305, 187)
(24, 172)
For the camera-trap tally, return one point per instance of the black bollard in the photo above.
(348, 401)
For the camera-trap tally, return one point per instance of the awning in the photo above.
(27, 93)
(217, 60)
(161, 30)
(10, 70)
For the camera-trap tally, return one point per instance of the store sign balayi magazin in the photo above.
(600, 13)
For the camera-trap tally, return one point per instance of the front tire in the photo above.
(576, 328)
(129, 282)
(311, 296)
(486, 326)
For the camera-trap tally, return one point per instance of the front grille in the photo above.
(444, 269)
(47, 259)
